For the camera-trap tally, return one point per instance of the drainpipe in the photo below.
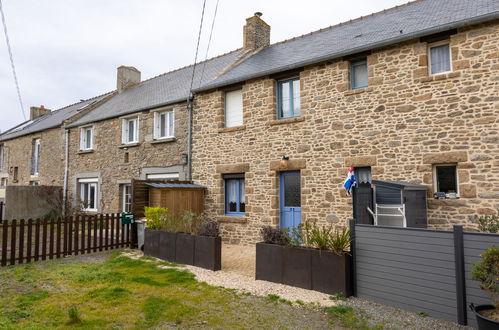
(190, 106)
(66, 169)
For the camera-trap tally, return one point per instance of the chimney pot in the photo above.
(256, 33)
(128, 76)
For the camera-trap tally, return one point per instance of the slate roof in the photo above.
(415, 19)
(50, 120)
(168, 88)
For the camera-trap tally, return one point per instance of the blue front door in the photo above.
(290, 199)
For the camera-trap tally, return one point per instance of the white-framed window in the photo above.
(35, 157)
(163, 176)
(234, 108)
(86, 138)
(130, 130)
(89, 194)
(358, 74)
(1, 156)
(4, 182)
(164, 124)
(446, 179)
(439, 57)
(126, 198)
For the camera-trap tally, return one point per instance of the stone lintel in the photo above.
(292, 165)
(360, 161)
(445, 157)
(233, 168)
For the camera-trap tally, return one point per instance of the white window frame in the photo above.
(2, 155)
(435, 179)
(157, 124)
(124, 130)
(86, 184)
(83, 138)
(35, 156)
(162, 176)
(436, 44)
(124, 201)
(226, 108)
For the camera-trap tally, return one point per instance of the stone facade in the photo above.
(18, 153)
(114, 163)
(402, 124)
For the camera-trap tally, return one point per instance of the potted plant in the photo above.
(269, 255)
(208, 247)
(154, 235)
(486, 271)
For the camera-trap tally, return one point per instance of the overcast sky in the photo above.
(67, 50)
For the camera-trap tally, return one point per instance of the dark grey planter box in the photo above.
(331, 273)
(208, 252)
(151, 243)
(184, 253)
(323, 271)
(167, 245)
(296, 267)
(269, 262)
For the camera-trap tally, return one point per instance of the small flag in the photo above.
(349, 181)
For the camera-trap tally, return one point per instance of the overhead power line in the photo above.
(209, 42)
(197, 48)
(12, 60)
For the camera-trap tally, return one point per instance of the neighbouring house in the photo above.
(407, 94)
(140, 133)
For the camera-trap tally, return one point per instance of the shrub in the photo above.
(326, 238)
(157, 217)
(293, 235)
(487, 272)
(488, 223)
(272, 235)
(340, 240)
(210, 228)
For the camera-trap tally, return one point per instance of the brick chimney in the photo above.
(256, 33)
(36, 112)
(127, 77)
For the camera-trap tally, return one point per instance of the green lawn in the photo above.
(116, 292)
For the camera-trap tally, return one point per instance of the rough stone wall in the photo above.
(18, 154)
(401, 125)
(108, 156)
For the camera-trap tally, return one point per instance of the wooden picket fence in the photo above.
(24, 241)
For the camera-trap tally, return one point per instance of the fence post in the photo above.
(460, 275)
(353, 269)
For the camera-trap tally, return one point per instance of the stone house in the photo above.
(407, 94)
(140, 133)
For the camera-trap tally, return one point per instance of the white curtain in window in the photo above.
(234, 108)
(241, 191)
(232, 191)
(440, 59)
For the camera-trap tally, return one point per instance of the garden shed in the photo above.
(390, 203)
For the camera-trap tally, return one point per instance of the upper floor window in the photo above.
(439, 56)
(288, 98)
(358, 74)
(130, 130)
(86, 138)
(35, 157)
(1, 156)
(234, 108)
(234, 194)
(164, 124)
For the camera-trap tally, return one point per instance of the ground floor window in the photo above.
(446, 179)
(234, 194)
(88, 194)
(126, 198)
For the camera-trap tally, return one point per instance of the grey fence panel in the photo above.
(412, 269)
(474, 245)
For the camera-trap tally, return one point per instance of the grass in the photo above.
(347, 316)
(130, 293)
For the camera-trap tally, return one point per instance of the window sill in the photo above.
(232, 219)
(129, 145)
(287, 121)
(165, 140)
(358, 91)
(438, 77)
(81, 152)
(232, 129)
